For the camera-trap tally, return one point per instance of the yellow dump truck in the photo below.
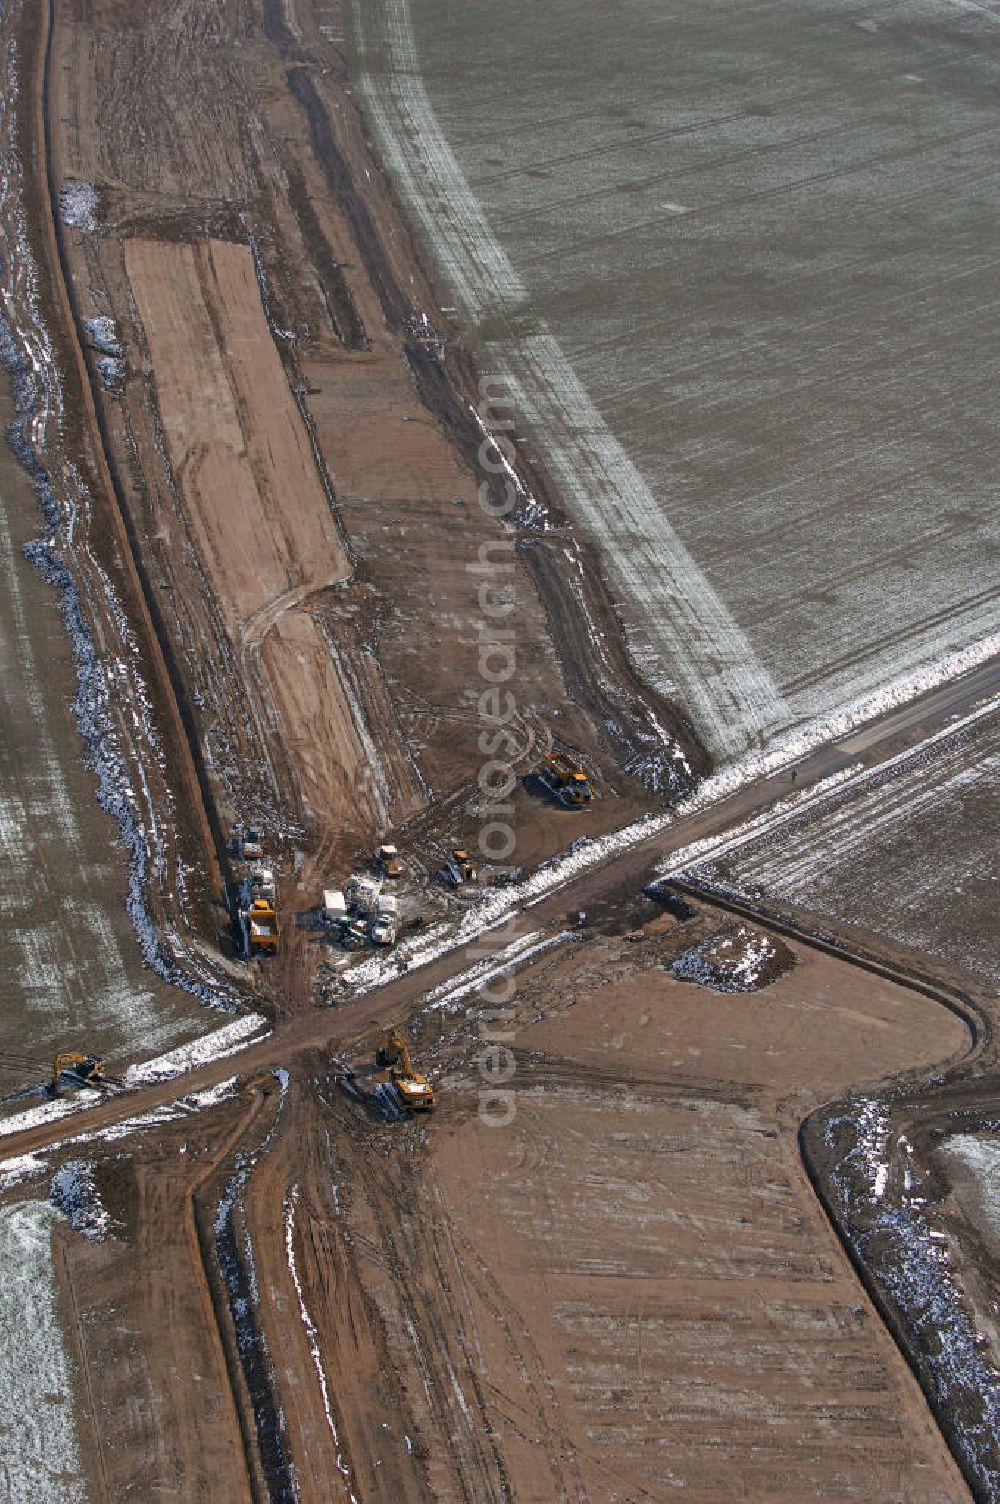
(387, 861)
(262, 925)
(566, 779)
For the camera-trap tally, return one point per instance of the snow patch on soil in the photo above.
(244, 1031)
(735, 959)
(169, 1112)
(41, 1453)
(894, 1238)
(78, 205)
(981, 1157)
(449, 994)
(103, 332)
(74, 1192)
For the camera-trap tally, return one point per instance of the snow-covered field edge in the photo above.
(244, 1031)
(40, 1458)
(883, 1212)
(118, 748)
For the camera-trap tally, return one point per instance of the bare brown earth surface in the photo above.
(630, 1289)
(295, 448)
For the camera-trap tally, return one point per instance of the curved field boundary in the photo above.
(888, 1312)
(964, 1007)
(980, 1027)
(694, 637)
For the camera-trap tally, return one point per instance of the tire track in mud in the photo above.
(165, 667)
(473, 1273)
(438, 1341)
(230, 1291)
(596, 662)
(918, 1100)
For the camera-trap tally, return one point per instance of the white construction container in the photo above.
(334, 905)
(387, 903)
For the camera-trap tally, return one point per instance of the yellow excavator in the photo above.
(415, 1091)
(88, 1069)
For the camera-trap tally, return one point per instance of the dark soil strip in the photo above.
(394, 306)
(601, 676)
(174, 689)
(609, 688)
(344, 317)
(254, 1359)
(277, 30)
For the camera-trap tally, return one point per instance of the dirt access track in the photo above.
(631, 1287)
(294, 449)
(627, 1289)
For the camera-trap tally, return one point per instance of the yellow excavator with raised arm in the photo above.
(88, 1069)
(415, 1091)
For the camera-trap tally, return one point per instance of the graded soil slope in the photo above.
(295, 447)
(251, 501)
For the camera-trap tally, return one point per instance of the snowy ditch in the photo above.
(40, 1458)
(234, 1250)
(120, 747)
(892, 1235)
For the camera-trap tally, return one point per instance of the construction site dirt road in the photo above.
(629, 1287)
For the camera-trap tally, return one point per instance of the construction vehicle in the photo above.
(383, 930)
(262, 925)
(566, 779)
(459, 868)
(414, 1090)
(362, 893)
(334, 905)
(385, 920)
(262, 882)
(388, 863)
(88, 1069)
(353, 932)
(251, 847)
